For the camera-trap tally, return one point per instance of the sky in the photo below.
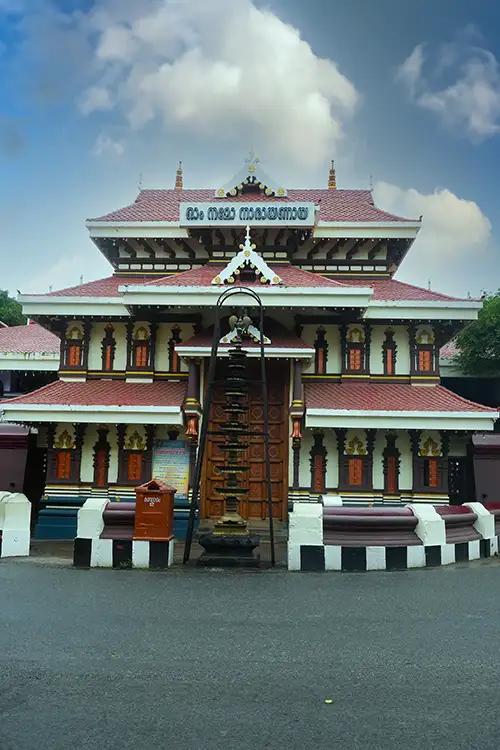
(99, 98)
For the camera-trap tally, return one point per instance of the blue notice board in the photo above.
(171, 464)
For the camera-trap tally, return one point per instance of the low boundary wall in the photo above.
(326, 537)
(105, 539)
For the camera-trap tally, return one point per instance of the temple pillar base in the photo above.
(230, 550)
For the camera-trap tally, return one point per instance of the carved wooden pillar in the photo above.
(392, 464)
(121, 430)
(79, 437)
(321, 351)
(318, 464)
(87, 327)
(370, 445)
(147, 470)
(417, 479)
(296, 445)
(101, 459)
(174, 363)
(296, 415)
(343, 347)
(445, 449)
(368, 341)
(153, 330)
(341, 435)
(130, 330)
(412, 331)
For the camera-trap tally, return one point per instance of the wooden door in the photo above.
(253, 504)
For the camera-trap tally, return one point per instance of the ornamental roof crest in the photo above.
(247, 257)
(251, 174)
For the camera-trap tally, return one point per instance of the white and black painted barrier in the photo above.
(15, 519)
(327, 536)
(104, 539)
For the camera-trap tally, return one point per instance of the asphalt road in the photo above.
(201, 659)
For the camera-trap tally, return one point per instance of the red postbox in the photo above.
(154, 511)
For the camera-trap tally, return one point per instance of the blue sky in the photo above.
(95, 94)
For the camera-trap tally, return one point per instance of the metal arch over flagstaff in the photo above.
(223, 298)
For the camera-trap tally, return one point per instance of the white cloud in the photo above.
(463, 89)
(106, 146)
(95, 98)
(224, 69)
(453, 229)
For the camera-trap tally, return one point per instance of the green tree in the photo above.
(479, 343)
(10, 310)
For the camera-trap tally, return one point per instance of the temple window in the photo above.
(141, 348)
(108, 349)
(63, 464)
(355, 351)
(174, 362)
(134, 467)
(424, 352)
(389, 349)
(74, 347)
(431, 473)
(321, 352)
(355, 471)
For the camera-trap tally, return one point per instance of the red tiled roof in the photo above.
(291, 276)
(105, 393)
(386, 397)
(107, 287)
(334, 205)
(449, 350)
(393, 290)
(28, 339)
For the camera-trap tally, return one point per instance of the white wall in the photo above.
(332, 336)
(87, 465)
(163, 336)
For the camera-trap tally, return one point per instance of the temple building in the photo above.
(356, 406)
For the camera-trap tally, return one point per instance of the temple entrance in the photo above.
(254, 504)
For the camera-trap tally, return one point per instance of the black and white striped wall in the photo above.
(90, 551)
(123, 553)
(307, 552)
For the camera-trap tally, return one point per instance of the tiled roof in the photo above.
(107, 287)
(393, 290)
(449, 350)
(105, 393)
(28, 339)
(291, 276)
(386, 397)
(334, 205)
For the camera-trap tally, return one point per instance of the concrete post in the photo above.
(15, 519)
(430, 527)
(485, 523)
(305, 527)
(90, 521)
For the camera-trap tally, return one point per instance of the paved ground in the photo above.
(201, 659)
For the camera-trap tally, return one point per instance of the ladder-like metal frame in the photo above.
(207, 403)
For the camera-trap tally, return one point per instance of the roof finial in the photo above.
(332, 177)
(179, 182)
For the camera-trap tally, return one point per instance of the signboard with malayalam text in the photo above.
(171, 465)
(251, 213)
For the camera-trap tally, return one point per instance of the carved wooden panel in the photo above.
(254, 504)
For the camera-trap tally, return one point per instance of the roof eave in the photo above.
(429, 309)
(272, 296)
(404, 420)
(44, 304)
(137, 414)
